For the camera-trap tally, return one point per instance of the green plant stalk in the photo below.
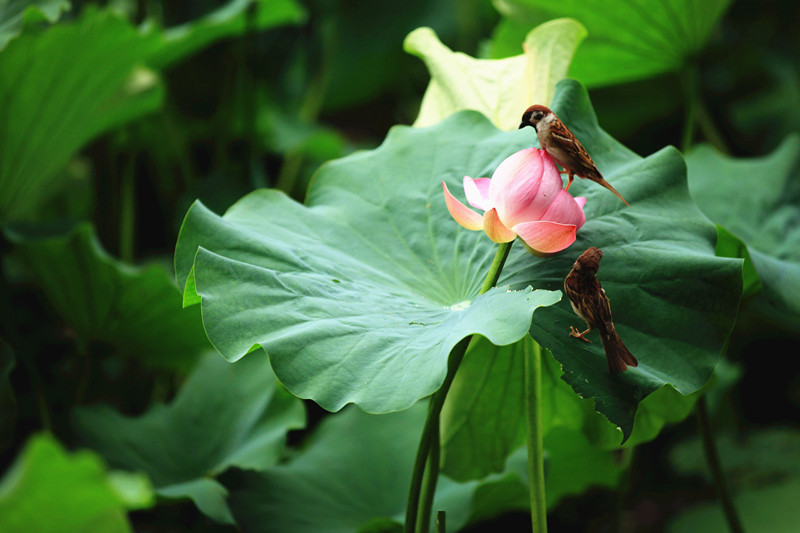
(426, 439)
(10, 333)
(418, 520)
(532, 356)
(429, 479)
(248, 86)
(629, 457)
(709, 129)
(86, 371)
(697, 114)
(689, 118)
(712, 459)
(127, 215)
(309, 110)
(441, 522)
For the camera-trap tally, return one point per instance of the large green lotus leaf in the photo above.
(483, 420)
(48, 489)
(136, 310)
(628, 40)
(574, 464)
(360, 295)
(231, 19)
(674, 302)
(489, 387)
(59, 88)
(16, 14)
(729, 245)
(499, 88)
(224, 415)
(355, 472)
(756, 200)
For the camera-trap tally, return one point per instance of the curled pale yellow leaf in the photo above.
(501, 89)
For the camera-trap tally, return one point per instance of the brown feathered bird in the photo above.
(589, 301)
(563, 147)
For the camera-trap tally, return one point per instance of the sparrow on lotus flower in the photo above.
(563, 147)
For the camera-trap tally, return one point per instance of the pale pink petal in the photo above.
(546, 237)
(581, 201)
(523, 186)
(477, 192)
(495, 229)
(461, 213)
(565, 210)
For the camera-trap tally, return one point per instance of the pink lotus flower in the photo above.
(524, 198)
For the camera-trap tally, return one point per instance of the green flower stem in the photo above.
(497, 266)
(532, 354)
(712, 459)
(418, 520)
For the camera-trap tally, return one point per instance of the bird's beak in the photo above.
(523, 124)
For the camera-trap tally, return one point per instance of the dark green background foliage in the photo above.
(260, 153)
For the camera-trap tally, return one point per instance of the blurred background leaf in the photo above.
(55, 98)
(15, 15)
(756, 200)
(134, 310)
(763, 471)
(627, 40)
(75, 489)
(232, 19)
(343, 475)
(499, 88)
(224, 415)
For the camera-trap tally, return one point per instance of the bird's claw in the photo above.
(574, 332)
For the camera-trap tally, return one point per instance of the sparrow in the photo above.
(589, 301)
(563, 147)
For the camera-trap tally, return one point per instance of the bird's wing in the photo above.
(605, 322)
(581, 162)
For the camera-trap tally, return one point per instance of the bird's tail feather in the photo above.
(618, 356)
(608, 186)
